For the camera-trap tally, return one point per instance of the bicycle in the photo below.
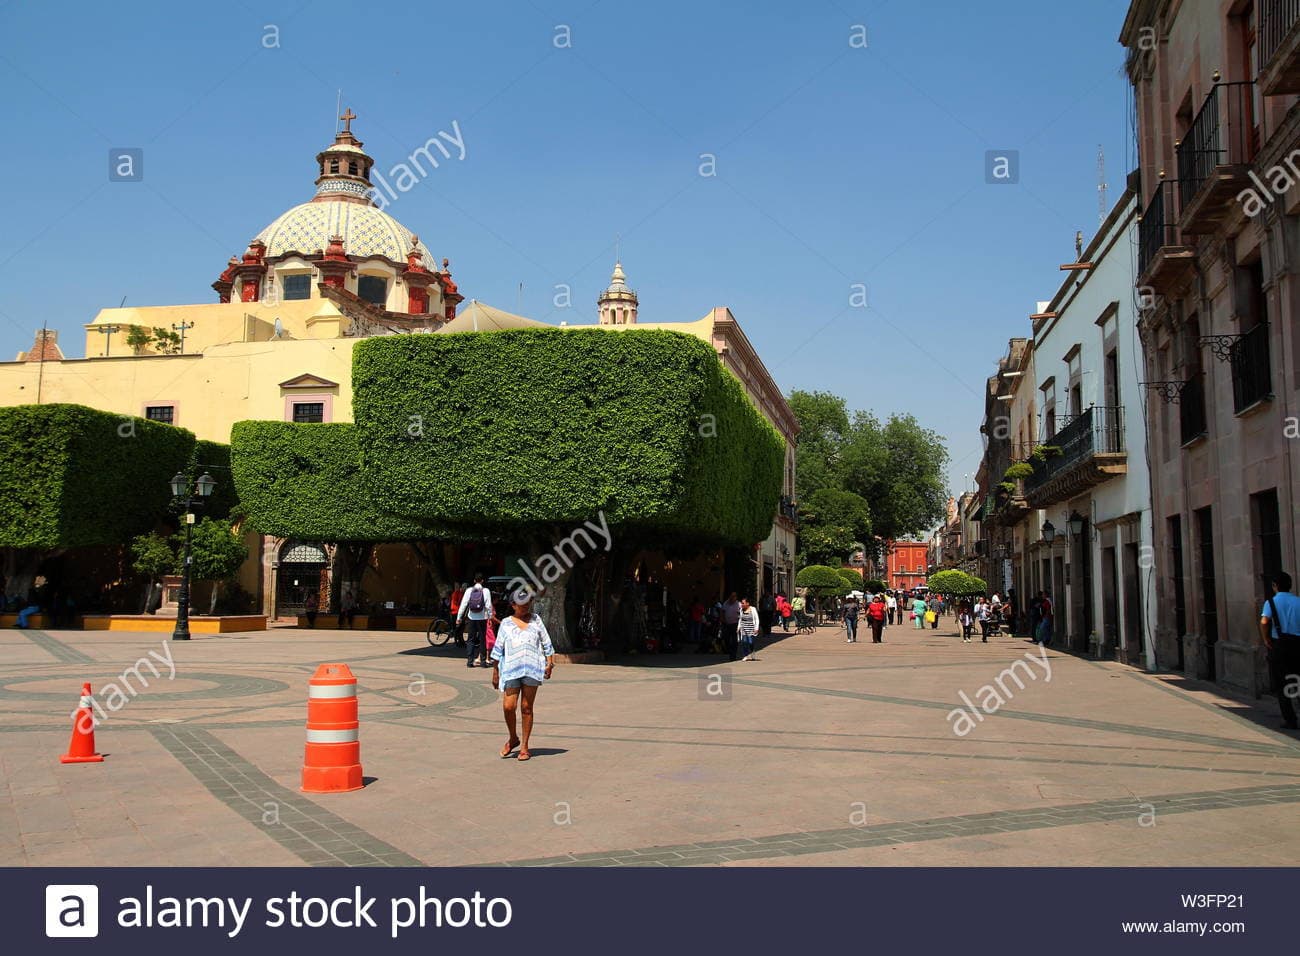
(438, 632)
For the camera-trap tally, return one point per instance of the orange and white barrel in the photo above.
(332, 761)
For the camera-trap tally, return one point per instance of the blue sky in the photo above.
(835, 164)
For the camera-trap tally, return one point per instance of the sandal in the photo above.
(524, 755)
(511, 745)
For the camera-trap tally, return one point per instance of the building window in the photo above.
(297, 286)
(161, 413)
(1268, 533)
(1209, 590)
(373, 289)
(353, 169)
(334, 165)
(307, 412)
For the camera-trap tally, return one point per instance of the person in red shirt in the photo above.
(456, 595)
(876, 611)
(1044, 635)
(696, 624)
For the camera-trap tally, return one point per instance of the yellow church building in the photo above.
(277, 345)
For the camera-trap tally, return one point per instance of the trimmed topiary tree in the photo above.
(851, 578)
(821, 581)
(566, 441)
(72, 476)
(956, 583)
(305, 481)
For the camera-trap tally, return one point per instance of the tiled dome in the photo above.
(366, 231)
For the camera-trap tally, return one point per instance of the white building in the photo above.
(1091, 476)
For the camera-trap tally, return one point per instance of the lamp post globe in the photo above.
(1049, 532)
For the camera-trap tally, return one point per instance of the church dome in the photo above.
(366, 231)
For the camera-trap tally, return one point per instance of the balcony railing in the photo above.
(1159, 225)
(1098, 431)
(1192, 423)
(1222, 134)
(1276, 18)
(1251, 379)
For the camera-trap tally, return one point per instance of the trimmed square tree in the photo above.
(72, 476)
(562, 441)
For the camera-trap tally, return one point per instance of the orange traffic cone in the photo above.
(82, 747)
(332, 762)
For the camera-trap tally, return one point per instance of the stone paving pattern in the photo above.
(825, 754)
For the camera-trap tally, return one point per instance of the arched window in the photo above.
(334, 165)
(353, 169)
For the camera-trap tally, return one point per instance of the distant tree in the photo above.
(830, 523)
(153, 557)
(216, 554)
(821, 581)
(823, 423)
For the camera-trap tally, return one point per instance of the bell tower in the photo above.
(617, 303)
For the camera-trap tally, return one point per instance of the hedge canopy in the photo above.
(524, 430)
(822, 579)
(305, 481)
(72, 476)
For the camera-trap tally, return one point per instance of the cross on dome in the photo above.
(347, 118)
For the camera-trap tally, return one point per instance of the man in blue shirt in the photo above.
(1279, 628)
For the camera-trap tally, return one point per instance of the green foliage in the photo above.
(214, 458)
(1018, 471)
(524, 432)
(1041, 453)
(897, 467)
(73, 476)
(956, 583)
(305, 481)
(215, 552)
(830, 523)
(875, 586)
(153, 555)
(851, 578)
(165, 341)
(821, 579)
(1007, 487)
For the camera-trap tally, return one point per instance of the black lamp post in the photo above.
(1049, 532)
(183, 491)
(1075, 523)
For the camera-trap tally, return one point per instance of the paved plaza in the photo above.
(817, 753)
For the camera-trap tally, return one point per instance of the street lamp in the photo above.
(1075, 524)
(182, 491)
(1049, 532)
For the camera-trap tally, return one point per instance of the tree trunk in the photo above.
(212, 604)
(435, 563)
(550, 606)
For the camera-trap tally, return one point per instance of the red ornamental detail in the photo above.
(334, 251)
(333, 280)
(229, 274)
(255, 254)
(417, 301)
(248, 291)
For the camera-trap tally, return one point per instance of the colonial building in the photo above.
(905, 564)
(1218, 278)
(277, 345)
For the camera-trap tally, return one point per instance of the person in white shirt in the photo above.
(982, 615)
(747, 627)
(891, 606)
(476, 604)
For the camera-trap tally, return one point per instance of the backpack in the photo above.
(476, 599)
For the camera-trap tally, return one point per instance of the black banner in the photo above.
(660, 910)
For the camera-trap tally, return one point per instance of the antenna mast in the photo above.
(1101, 185)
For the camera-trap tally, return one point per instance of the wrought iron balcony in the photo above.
(1163, 261)
(1091, 450)
(1279, 47)
(1214, 156)
(1252, 381)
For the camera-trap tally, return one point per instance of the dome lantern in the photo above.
(344, 168)
(618, 303)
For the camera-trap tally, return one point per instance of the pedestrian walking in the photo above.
(766, 611)
(876, 612)
(522, 658)
(982, 616)
(748, 625)
(891, 605)
(730, 621)
(918, 612)
(457, 595)
(695, 628)
(784, 611)
(311, 607)
(798, 607)
(347, 608)
(932, 613)
(476, 604)
(1043, 635)
(851, 619)
(967, 621)
(1279, 628)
